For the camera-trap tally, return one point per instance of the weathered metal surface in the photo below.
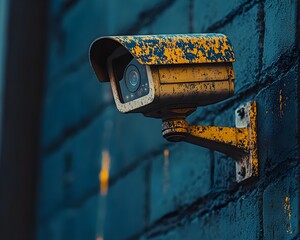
(178, 48)
(246, 118)
(194, 73)
(163, 49)
(186, 86)
(239, 143)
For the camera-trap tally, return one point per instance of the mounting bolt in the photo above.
(241, 113)
(242, 173)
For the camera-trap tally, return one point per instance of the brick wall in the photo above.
(192, 193)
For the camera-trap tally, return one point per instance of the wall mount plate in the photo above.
(247, 166)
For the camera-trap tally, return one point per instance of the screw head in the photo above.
(242, 172)
(241, 113)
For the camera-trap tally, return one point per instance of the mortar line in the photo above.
(114, 179)
(71, 131)
(262, 28)
(183, 216)
(145, 18)
(245, 7)
(139, 24)
(148, 14)
(234, 194)
(297, 40)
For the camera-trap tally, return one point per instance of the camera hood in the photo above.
(162, 50)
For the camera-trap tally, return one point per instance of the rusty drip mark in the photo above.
(99, 238)
(280, 103)
(288, 215)
(166, 171)
(104, 173)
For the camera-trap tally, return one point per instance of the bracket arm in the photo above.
(238, 142)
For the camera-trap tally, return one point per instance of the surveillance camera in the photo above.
(165, 75)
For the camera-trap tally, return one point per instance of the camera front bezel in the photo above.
(137, 103)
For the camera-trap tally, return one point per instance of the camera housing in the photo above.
(165, 75)
(168, 77)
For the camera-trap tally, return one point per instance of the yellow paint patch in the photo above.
(288, 215)
(104, 173)
(166, 171)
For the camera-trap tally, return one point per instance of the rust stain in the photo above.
(166, 171)
(280, 103)
(288, 215)
(253, 138)
(104, 173)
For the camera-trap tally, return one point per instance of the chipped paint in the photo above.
(162, 50)
(188, 70)
(178, 48)
(288, 215)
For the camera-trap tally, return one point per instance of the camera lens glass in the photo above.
(132, 78)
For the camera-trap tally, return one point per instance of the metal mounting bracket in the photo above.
(247, 166)
(238, 142)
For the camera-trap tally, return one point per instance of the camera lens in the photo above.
(132, 78)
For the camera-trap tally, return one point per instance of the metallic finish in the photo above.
(239, 143)
(163, 49)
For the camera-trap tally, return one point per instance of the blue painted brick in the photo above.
(180, 179)
(243, 32)
(175, 19)
(280, 29)
(122, 15)
(281, 207)
(133, 137)
(82, 23)
(127, 137)
(50, 186)
(207, 13)
(277, 121)
(237, 220)
(74, 223)
(73, 33)
(71, 172)
(75, 97)
(125, 206)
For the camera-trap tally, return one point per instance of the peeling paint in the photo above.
(178, 48)
(163, 50)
